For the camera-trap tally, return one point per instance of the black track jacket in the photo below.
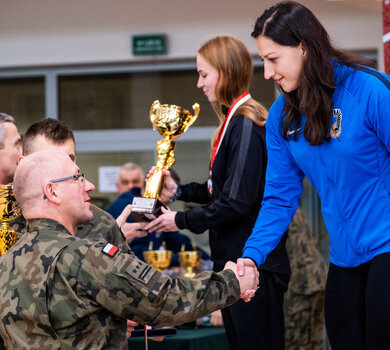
(238, 177)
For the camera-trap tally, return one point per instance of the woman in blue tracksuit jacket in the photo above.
(331, 124)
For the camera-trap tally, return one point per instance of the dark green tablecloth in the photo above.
(186, 339)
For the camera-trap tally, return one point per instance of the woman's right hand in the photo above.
(242, 262)
(169, 188)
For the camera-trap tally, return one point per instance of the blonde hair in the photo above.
(229, 56)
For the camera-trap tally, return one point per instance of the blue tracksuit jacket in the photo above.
(351, 172)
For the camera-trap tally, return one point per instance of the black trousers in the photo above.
(357, 305)
(258, 324)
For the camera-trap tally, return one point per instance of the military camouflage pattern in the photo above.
(19, 225)
(102, 226)
(305, 323)
(61, 292)
(304, 300)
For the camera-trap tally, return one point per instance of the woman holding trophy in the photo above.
(232, 195)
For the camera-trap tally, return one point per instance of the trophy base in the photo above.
(146, 209)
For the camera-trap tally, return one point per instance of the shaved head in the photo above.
(48, 185)
(32, 174)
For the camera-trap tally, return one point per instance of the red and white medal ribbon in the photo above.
(237, 103)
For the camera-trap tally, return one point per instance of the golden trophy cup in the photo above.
(160, 259)
(189, 260)
(9, 211)
(171, 121)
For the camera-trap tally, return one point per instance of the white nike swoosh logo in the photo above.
(292, 131)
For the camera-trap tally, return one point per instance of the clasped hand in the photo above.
(249, 282)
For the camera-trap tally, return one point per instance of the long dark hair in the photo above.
(290, 23)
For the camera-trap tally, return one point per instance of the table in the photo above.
(186, 339)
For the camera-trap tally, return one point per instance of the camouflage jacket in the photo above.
(308, 270)
(60, 292)
(102, 226)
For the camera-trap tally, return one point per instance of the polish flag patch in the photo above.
(110, 250)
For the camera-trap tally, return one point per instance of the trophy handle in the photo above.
(196, 109)
(155, 106)
(191, 119)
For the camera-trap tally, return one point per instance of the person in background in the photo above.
(10, 148)
(131, 184)
(304, 299)
(60, 291)
(331, 124)
(230, 198)
(130, 175)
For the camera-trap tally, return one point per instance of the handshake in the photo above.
(247, 275)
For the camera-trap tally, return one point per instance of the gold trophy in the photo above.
(9, 211)
(160, 259)
(171, 121)
(189, 260)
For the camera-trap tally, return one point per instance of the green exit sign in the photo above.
(149, 45)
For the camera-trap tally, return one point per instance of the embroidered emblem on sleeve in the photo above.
(335, 131)
(110, 249)
(141, 271)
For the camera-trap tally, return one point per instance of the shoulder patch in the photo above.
(110, 250)
(141, 271)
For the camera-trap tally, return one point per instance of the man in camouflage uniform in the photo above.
(304, 300)
(59, 291)
(10, 149)
(54, 134)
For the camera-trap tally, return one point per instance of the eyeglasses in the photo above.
(80, 177)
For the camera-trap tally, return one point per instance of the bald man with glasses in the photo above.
(60, 291)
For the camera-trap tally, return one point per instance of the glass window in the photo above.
(24, 99)
(116, 101)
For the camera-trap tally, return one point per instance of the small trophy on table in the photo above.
(171, 121)
(189, 260)
(9, 211)
(159, 259)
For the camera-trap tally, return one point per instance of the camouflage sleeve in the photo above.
(129, 288)
(103, 227)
